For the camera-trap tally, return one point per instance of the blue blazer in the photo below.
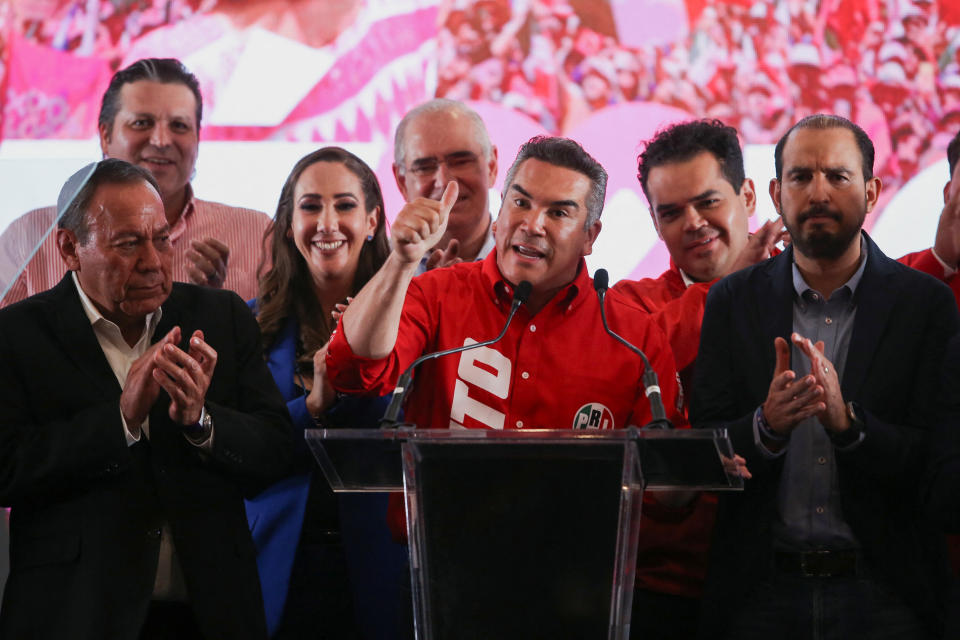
(276, 515)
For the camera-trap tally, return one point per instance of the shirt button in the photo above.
(524, 375)
(828, 320)
(519, 424)
(822, 460)
(533, 327)
(820, 510)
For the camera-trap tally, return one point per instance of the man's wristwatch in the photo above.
(852, 434)
(200, 431)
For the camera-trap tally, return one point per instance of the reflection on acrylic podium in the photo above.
(523, 534)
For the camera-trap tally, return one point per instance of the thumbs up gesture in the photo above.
(421, 223)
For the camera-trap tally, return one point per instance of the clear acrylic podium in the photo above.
(523, 534)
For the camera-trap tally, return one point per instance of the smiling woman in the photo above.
(327, 239)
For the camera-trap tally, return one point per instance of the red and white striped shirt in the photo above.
(240, 229)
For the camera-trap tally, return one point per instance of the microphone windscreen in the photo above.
(601, 281)
(522, 292)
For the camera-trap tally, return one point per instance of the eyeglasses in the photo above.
(457, 162)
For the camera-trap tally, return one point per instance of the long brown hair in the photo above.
(285, 286)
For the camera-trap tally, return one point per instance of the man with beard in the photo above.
(822, 363)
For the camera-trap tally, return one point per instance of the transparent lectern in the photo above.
(523, 534)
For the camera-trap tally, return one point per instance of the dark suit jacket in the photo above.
(943, 495)
(87, 509)
(903, 321)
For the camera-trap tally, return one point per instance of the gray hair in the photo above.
(430, 107)
(563, 152)
(75, 216)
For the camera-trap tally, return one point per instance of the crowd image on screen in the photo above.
(758, 66)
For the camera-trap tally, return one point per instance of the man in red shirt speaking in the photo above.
(556, 364)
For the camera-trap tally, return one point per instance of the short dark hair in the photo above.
(563, 152)
(109, 171)
(163, 70)
(953, 153)
(829, 121)
(683, 141)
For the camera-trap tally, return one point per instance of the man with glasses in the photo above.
(436, 142)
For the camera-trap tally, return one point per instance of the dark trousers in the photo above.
(319, 604)
(663, 616)
(802, 608)
(170, 621)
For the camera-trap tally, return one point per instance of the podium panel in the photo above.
(523, 534)
(495, 560)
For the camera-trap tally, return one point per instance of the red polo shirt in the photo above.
(676, 308)
(926, 262)
(674, 543)
(558, 369)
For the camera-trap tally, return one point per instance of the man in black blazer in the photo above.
(823, 364)
(136, 415)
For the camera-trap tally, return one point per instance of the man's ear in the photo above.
(371, 221)
(401, 184)
(775, 194)
(492, 166)
(873, 187)
(748, 194)
(592, 234)
(104, 131)
(67, 245)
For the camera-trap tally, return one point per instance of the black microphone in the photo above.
(389, 419)
(651, 385)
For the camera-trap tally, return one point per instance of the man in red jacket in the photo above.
(700, 202)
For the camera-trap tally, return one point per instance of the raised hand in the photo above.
(833, 416)
(421, 223)
(339, 308)
(140, 390)
(185, 376)
(208, 259)
(790, 401)
(445, 257)
(760, 244)
(321, 395)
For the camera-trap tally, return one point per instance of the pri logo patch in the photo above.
(593, 416)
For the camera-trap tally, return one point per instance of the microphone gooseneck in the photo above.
(520, 294)
(651, 385)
